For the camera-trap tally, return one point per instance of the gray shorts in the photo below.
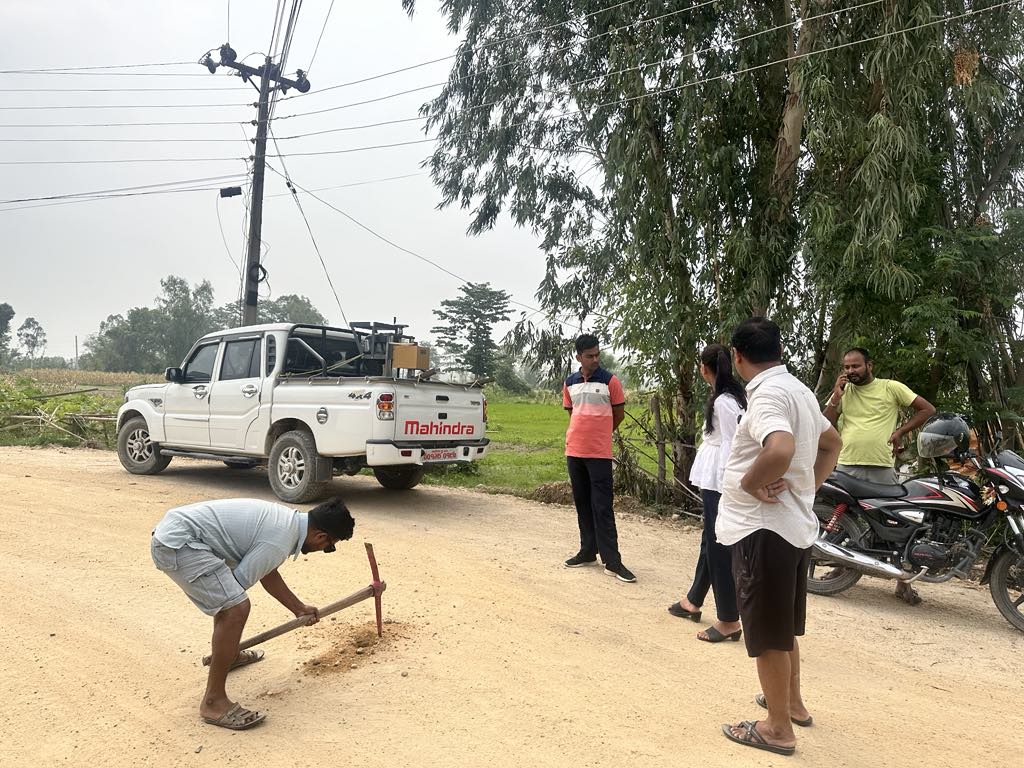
(872, 474)
(203, 576)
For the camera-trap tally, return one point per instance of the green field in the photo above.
(527, 449)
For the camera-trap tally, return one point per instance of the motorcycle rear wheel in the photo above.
(835, 579)
(1006, 583)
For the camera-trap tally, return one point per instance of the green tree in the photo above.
(507, 377)
(289, 308)
(6, 315)
(149, 339)
(32, 337)
(129, 342)
(466, 338)
(186, 313)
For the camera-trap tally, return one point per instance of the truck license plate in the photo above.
(440, 454)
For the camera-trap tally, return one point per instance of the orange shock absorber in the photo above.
(833, 523)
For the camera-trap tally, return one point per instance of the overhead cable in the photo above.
(127, 106)
(121, 189)
(316, 246)
(323, 29)
(484, 46)
(99, 67)
(415, 255)
(510, 62)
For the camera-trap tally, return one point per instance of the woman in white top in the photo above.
(722, 413)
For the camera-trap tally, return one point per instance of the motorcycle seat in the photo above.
(862, 489)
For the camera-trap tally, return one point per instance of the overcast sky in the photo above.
(72, 265)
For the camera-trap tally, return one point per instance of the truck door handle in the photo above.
(199, 392)
(249, 390)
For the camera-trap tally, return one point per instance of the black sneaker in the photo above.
(579, 559)
(620, 572)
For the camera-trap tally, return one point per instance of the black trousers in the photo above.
(714, 565)
(592, 492)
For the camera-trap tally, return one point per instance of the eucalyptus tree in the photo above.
(913, 194)
(654, 178)
(849, 168)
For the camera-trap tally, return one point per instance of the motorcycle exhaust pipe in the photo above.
(830, 552)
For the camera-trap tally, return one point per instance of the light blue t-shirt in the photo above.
(251, 535)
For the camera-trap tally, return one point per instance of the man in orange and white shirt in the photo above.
(596, 405)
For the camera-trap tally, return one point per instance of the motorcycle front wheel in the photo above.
(1006, 583)
(824, 577)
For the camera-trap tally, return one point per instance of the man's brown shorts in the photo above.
(771, 590)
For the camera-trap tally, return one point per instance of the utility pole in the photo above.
(268, 74)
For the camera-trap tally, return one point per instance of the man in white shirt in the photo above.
(783, 450)
(216, 550)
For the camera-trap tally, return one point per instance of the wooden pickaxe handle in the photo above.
(373, 590)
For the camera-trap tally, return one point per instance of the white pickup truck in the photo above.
(311, 402)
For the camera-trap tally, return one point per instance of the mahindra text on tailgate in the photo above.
(438, 419)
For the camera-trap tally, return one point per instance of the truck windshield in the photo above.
(341, 355)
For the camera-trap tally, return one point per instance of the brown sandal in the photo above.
(238, 718)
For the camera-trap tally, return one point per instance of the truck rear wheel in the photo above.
(138, 454)
(293, 468)
(399, 478)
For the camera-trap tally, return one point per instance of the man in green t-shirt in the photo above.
(866, 411)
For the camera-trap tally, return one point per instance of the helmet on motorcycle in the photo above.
(944, 434)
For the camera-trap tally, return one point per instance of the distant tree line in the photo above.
(148, 339)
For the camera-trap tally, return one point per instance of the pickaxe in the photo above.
(374, 590)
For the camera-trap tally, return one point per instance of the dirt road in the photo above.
(496, 655)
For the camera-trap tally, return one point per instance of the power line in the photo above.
(127, 160)
(220, 226)
(352, 128)
(312, 237)
(355, 149)
(120, 125)
(76, 140)
(564, 91)
(121, 189)
(129, 106)
(32, 73)
(485, 46)
(374, 100)
(102, 66)
(357, 183)
(110, 197)
(112, 90)
(323, 29)
(415, 255)
(785, 60)
(155, 189)
(698, 81)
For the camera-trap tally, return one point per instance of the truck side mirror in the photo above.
(174, 375)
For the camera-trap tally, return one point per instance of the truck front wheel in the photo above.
(399, 478)
(293, 468)
(138, 454)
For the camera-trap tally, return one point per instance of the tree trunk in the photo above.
(787, 146)
(683, 450)
(659, 434)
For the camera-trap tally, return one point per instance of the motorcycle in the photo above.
(930, 528)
